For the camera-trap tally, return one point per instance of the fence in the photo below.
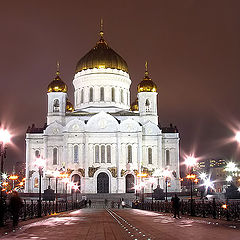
(30, 208)
(211, 209)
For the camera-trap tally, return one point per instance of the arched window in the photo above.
(82, 96)
(36, 182)
(113, 94)
(109, 154)
(101, 94)
(75, 154)
(102, 154)
(56, 105)
(167, 157)
(147, 104)
(122, 96)
(149, 155)
(96, 154)
(91, 95)
(55, 156)
(37, 153)
(129, 155)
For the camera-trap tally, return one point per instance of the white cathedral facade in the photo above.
(102, 141)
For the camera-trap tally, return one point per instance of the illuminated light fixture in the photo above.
(24, 179)
(142, 175)
(4, 176)
(101, 66)
(208, 183)
(196, 180)
(203, 176)
(224, 206)
(190, 161)
(231, 167)
(5, 136)
(237, 137)
(4, 183)
(40, 162)
(191, 176)
(229, 178)
(63, 175)
(239, 189)
(13, 177)
(21, 184)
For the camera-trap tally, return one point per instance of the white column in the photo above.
(118, 157)
(139, 151)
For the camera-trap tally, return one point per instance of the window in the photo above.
(122, 96)
(75, 154)
(147, 104)
(149, 155)
(167, 157)
(56, 105)
(91, 95)
(113, 94)
(109, 154)
(37, 153)
(96, 154)
(36, 182)
(82, 96)
(101, 94)
(129, 155)
(102, 154)
(55, 156)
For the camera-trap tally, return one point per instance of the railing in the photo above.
(212, 209)
(30, 209)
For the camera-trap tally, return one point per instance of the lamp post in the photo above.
(13, 178)
(56, 174)
(40, 163)
(5, 138)
(152, 181)
(190, 162)
(167, 177)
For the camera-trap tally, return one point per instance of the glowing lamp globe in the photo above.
(190, 161)
(237, 137)
(5, 136)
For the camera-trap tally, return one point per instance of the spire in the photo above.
(101, 29)
(146, 69)
(58, 68)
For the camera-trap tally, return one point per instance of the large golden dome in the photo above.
(57, 85)
(147, 85)
(69, 106)
(102, 56)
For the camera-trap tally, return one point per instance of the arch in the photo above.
(102, 154)
(102, 183)
(91, 94)
(37, 153)
(121, 95)
(149, 155)
(129, 154)
(167, 157)
(147, 105)
(97, 154)
(109, 154)
(56, 105)
(55, 156)
(82, 96)
(102, 94)
(113, 94)
(75, 154)
(130, 183)
(76, 179)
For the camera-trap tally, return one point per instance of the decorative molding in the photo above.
(82, 171)
(113, 171)
(92, 170)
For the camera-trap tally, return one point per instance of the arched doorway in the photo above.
(102, 183)
(77, 180)
(130, 183)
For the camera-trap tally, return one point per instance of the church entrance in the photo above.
(77, 180)
(102, 183)
(130, 183)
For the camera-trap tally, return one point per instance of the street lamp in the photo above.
(191, 177)
(167, 176)
(56, 174)
(5, 138)
(13, 178)
(40, 163)
(142, 184)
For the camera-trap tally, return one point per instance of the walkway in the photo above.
(99, 224)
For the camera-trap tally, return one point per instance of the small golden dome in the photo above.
(57, 85)
(101, 56)
(147, 85)
(69, 106)
(134, 105)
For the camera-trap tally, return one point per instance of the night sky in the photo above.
(192, 46)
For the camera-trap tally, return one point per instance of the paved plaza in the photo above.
(114, 224)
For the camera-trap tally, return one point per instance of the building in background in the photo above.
(102, 141)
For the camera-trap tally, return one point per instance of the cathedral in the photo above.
(102, 142)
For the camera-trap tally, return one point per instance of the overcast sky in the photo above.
(192, 47)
